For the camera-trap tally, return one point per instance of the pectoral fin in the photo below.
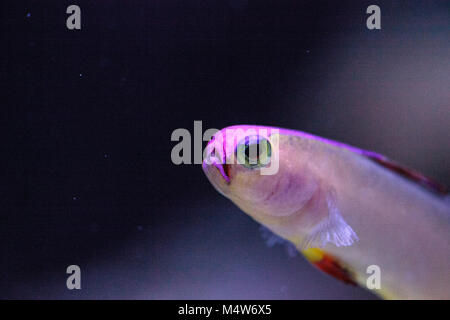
(332, 228)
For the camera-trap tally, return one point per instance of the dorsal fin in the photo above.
(408, 173)
(328, 264)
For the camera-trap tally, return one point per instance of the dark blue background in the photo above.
(88, 115)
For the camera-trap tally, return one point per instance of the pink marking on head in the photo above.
(305, 135)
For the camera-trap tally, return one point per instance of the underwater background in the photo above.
(88, 116)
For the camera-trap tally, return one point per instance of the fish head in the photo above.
(261, 170)
(281, 178)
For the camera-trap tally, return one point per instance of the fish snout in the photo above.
(215, 167)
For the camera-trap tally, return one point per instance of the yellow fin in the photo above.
(328, 264)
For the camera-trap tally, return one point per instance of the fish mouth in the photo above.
(215, 159)
(215, 168)
(217, 176)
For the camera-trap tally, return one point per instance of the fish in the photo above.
(345, 209)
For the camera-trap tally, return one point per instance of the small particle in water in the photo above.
(28, 15)
(140, 228)
(74, 198)
(81, 74)
(307, 51)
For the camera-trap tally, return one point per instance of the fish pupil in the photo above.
(255, 151)
(252, 152)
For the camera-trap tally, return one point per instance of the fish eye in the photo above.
(253, 152)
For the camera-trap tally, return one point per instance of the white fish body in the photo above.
(328, 196)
